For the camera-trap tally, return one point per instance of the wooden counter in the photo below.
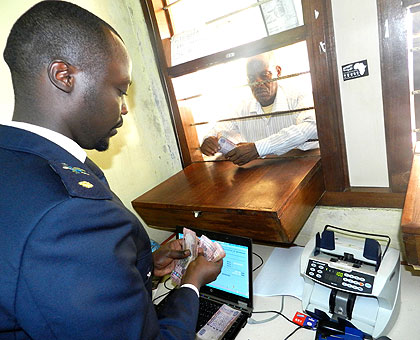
(268, 200)
(410, 219)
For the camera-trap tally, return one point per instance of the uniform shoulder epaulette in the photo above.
(80, 182)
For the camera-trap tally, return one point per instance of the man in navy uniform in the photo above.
(74, 262)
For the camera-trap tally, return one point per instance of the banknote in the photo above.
(213, 251)
(219, 324)
(225, 145)
(189, 243)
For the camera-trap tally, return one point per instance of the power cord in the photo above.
(164, 284)
(262, 262)
(164, 294)
(288, 337)
(277, 313)
(254, 322)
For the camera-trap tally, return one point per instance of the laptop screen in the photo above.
(234, 275)
(234, 282)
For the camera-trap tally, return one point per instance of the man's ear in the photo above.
(278, 69)
(61, 75)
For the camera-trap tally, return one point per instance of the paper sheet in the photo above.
(280, 274)
(279, 15)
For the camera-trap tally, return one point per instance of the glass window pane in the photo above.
(217, 93)
(203, 27)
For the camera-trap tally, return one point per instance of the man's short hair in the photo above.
(56, 30)
(268, 58)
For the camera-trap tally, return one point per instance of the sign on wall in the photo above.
(355, 70)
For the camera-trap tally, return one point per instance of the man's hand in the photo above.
(243, 153)
(201, 271)
(164, 257)
(210, 146)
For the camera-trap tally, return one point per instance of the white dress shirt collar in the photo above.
(66, 143)
(280, 102)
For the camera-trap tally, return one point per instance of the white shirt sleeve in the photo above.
(228, 130)
(194, 288)
(294, 136)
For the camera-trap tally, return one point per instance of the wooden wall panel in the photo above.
(395, 91)
(321, 49)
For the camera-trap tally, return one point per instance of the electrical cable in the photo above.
(277, 314)
(252, 321)
(274, 311)
(164, 294)
(262, 261)
(287, 337)
(164, 283)
(160, 296)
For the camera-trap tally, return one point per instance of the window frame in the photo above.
(396, 92)
(318, 32)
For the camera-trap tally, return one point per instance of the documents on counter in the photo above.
(213, 252)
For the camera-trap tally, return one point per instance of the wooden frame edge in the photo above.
(395, 92)
(363, 199)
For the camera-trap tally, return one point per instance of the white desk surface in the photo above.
(407, 325)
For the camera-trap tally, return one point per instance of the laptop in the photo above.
(233, 286)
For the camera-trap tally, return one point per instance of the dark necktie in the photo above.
(96, 170)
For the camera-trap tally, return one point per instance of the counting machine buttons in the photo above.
(360, 289)
(349, 281)
(352, 281)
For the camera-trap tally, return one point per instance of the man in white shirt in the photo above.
(269, 134)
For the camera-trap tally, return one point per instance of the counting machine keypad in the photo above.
(353, 282)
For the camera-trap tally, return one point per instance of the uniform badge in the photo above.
(78, 184)
(75, 170)
(86, 184)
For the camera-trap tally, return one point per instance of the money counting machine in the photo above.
(352, 278)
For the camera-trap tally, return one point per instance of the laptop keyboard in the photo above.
(207, 310)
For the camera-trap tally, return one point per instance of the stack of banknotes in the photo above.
(219, 324)
(213, 251)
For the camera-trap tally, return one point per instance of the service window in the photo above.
(216, 98)
(203, 50)
(206, 47)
